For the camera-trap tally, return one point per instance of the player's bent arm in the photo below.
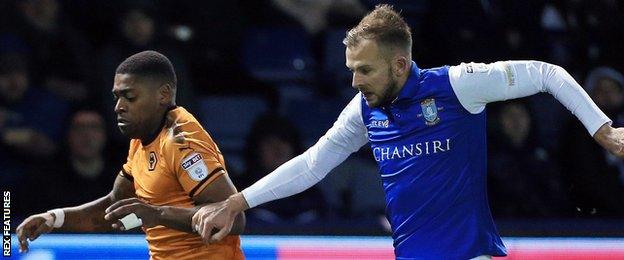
(173, 217)
(475, 85)
(346, 136)
(293, 177)
(89, 217)
(478, 84)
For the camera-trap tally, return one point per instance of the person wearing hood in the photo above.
(595, 176)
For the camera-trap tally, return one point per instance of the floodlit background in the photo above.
(267, 79)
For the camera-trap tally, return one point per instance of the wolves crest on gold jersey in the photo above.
(176, 166)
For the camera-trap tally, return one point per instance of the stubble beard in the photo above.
(387, 96)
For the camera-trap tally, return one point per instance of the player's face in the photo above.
(372, 73)
(137, 106)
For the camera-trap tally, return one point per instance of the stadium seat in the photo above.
(278, 54)
(228, 119)
(313, 116)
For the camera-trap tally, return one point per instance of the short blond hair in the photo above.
(385, 26)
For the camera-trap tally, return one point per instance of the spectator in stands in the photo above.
(272, 141)
(522, 179)
(60, 55)
(559, 33)
(82, 163)
(599, 29)
(597, 177)
(30, 122)
(31, 117)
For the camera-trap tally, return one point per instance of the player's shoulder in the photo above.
(182, 130)
(434, 73)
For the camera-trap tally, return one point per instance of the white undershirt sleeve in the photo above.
(345, 137)
(476, 84)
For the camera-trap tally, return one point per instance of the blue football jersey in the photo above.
(431, 154)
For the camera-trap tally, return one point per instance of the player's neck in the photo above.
(155, 131)
(400, 84)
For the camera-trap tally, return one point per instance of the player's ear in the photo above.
(400, 65)
(165, 94)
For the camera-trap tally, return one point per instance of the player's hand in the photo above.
(219, 216)
(146, 212)
(33, 227)
(611, 139)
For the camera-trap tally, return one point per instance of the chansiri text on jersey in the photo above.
(411, 150)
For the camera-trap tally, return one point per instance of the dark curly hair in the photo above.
(149, 64)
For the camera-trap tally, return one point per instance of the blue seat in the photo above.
(313, 117)
(278, 54)
(229, 119)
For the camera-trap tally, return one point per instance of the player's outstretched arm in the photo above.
(175, 217)
(611, 139)
(88, 217)
(346, 136)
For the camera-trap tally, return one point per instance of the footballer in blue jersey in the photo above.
(426, 129)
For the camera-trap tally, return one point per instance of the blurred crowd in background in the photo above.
(267, 78)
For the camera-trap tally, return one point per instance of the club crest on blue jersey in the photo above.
(430, 111)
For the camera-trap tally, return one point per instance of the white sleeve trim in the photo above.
(346, 136)
(476, 84)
